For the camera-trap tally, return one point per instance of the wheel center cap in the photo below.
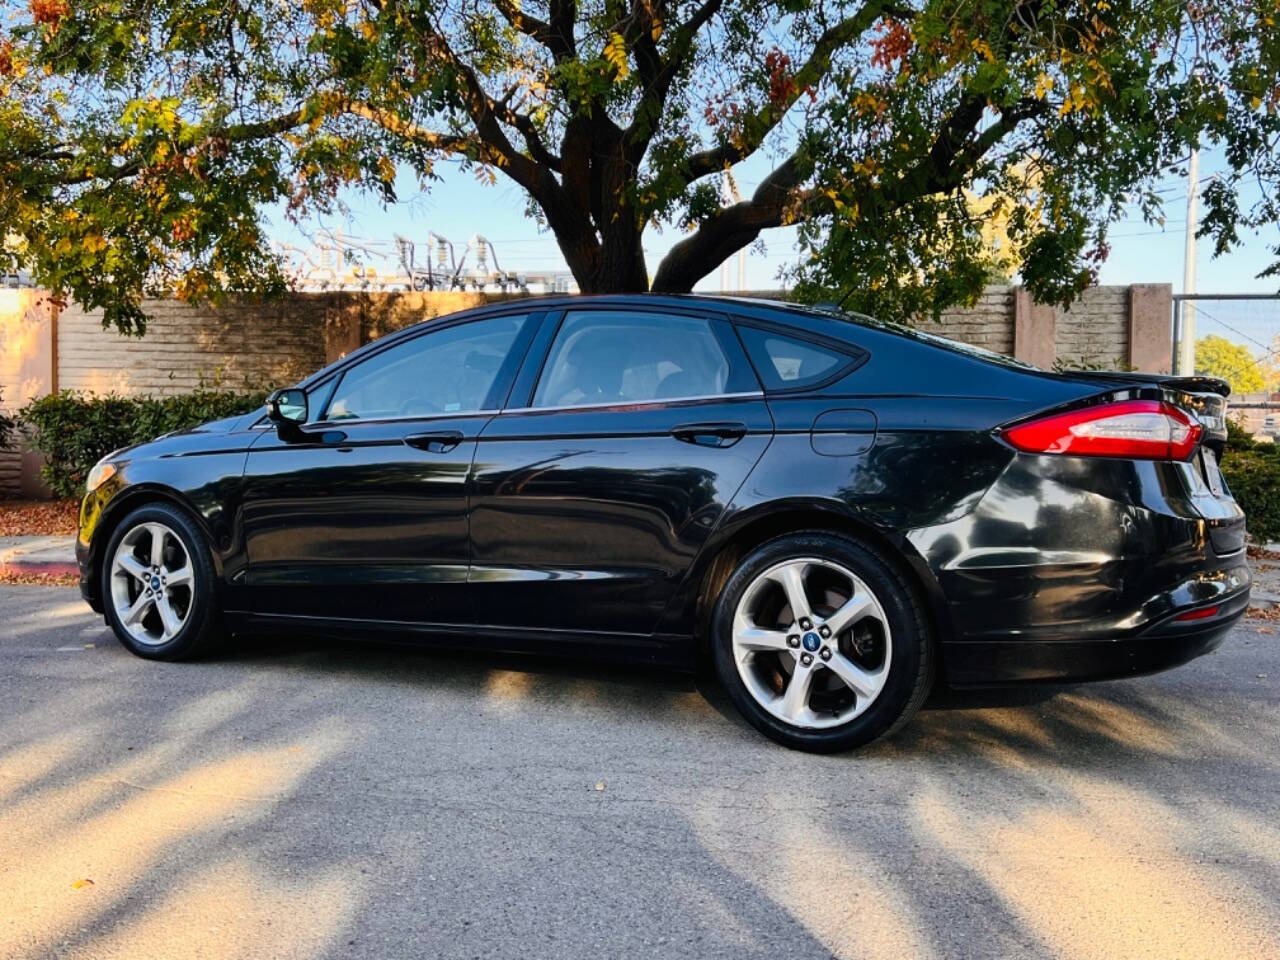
(811, 641)
(155, 583)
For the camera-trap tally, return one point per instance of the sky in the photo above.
(459, 206)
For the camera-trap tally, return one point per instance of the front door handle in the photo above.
(719, 434)
(438, 441)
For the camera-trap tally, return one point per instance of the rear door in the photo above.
(627, 433)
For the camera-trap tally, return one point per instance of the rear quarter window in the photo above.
(785, 362)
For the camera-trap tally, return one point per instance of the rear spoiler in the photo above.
(1168, 381)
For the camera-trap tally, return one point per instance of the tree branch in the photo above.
(731, 229)
(538, 30)
(760, 124)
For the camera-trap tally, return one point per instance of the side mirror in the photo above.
(287, 407)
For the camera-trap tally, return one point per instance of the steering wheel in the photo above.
(420, 405)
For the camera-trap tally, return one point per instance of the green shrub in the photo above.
(74, 430)
(1253, 474)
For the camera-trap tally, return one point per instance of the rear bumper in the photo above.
(1163, 645)
(1076, 569)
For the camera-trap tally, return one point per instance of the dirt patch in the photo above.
(38, 518)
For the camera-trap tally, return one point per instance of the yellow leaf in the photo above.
(615, 51)
(80, 884)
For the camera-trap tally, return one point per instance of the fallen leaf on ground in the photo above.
(86, 882)
(38, 518)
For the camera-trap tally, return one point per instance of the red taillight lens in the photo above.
(1204, 613)
(1133, 429)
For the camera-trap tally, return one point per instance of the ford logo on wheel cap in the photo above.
(811, 642)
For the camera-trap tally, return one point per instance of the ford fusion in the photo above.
(836, 513)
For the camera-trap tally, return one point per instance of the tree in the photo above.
(1218, 357)
(139, 141)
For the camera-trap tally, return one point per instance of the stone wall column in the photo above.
(343, 326)
(1035, 328)
(1151, 327)
(28, 370)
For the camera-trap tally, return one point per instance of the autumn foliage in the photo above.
(140, 143)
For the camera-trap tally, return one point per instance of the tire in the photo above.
(191, 626)
(866, 670)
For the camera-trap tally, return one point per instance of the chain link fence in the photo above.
(1235, 336)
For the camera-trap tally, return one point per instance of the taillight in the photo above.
(1133, 429)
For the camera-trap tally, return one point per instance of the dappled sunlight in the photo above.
(1095, 875)
(24, 766)
(232, 908)
(837, 890)
(115, 828)
(1116, 722)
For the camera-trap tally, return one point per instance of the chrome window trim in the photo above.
(639, 403)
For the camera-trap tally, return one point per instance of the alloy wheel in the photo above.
(811, 643)
(152, 584)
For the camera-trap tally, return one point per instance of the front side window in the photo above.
(622, 357)
(785, 363)
(443, 372)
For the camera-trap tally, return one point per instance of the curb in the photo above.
(45, 568)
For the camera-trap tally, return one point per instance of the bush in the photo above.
(74, 430)
(1253, 473)
(1252, 470)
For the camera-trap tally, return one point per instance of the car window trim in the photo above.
(857, 355)
(507, 367)
(631, 404)
(417, 418)
(717, 322)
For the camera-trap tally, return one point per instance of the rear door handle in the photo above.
(720, 434)
(439, 441)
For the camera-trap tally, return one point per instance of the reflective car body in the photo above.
(533, 526)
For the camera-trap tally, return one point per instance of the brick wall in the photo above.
(244, 344)
(1094, 332)
(987, 324)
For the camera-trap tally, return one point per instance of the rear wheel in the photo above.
(158, 585)
(821, 643)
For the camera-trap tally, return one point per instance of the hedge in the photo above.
(1252, 471)
(75, 430)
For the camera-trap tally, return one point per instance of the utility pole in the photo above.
(1187, 334)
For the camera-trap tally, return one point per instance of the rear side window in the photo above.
(610, 357)
(787, 363)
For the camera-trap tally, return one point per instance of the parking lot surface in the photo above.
(305, 798)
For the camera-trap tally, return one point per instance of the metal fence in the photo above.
(1235, 336)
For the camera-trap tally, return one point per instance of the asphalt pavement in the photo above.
(304, 798)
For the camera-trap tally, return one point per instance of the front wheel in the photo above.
(158, 585)
(821, 644)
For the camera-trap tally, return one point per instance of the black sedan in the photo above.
(836, 512)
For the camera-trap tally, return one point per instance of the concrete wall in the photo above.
(249, 344)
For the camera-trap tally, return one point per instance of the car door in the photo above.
(361, 514)
(627, 433)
